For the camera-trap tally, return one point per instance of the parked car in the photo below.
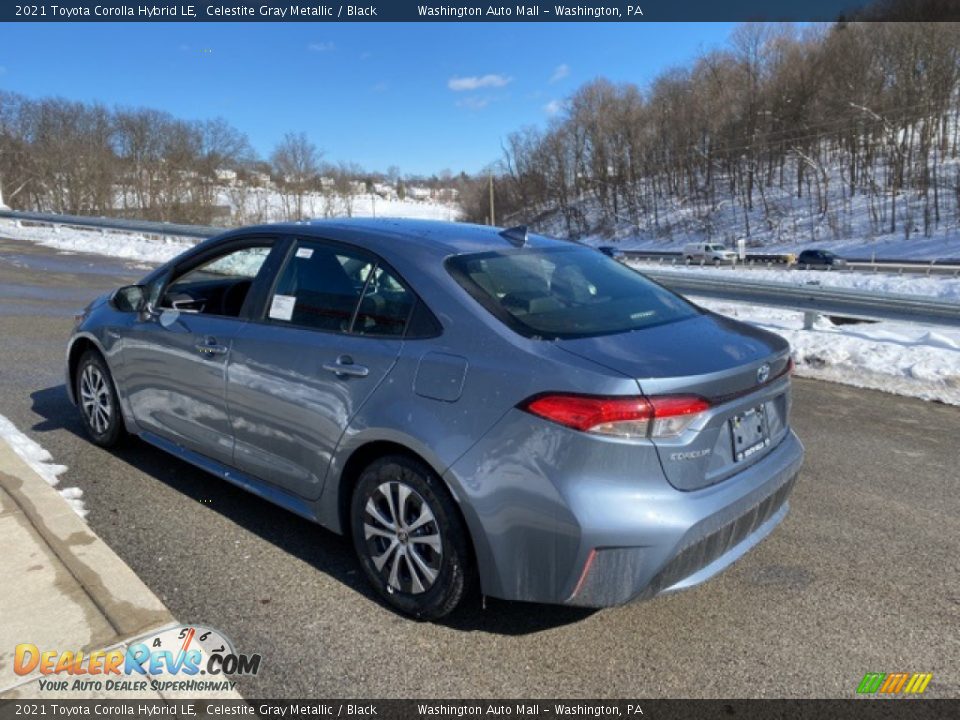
(708, 252)
(821, 259)
(611, 251)
(475, 408)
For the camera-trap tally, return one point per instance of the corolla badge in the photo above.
(763, 373)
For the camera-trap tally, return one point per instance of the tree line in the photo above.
(83, 158)
(826, 130)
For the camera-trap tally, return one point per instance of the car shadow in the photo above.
(326, 551)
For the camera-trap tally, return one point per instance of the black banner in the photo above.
(855, 709)
(467, 11)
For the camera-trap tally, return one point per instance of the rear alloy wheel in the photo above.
(409, 538)
(97, 400)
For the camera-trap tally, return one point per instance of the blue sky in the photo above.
(424, 97)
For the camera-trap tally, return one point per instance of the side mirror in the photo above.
(130, 298)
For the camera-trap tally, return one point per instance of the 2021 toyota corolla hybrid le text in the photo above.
(470, 405)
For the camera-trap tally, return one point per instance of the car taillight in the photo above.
(629, 417)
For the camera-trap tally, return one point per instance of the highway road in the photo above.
(863, 575)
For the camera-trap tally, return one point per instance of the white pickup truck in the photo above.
(708, 252)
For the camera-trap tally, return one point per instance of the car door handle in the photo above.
(344, 366)
(211, 347)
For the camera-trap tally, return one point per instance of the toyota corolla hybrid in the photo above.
(480, 410)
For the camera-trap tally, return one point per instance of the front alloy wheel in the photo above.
(409, 537)
(97, 400)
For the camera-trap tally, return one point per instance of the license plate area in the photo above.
(749, 432)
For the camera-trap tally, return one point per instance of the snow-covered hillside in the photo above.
(859, 219)
(851, 229)
(254, 205)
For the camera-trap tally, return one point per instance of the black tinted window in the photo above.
(329, 288)
(565, 292)
(385, 307)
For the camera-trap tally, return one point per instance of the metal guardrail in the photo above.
(809, 299)
(814, 299)
(113, 223)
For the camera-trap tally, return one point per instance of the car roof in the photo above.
(426, 238)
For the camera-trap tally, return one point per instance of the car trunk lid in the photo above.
(740, 369)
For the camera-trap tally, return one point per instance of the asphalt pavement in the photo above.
(862, 576)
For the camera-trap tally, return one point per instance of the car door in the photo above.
(328, 334)
(175, 356)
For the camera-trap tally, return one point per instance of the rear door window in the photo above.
(335, 289)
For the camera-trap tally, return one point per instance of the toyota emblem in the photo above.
(763, 373)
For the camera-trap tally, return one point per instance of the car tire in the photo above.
(410, 539)
(97, 400)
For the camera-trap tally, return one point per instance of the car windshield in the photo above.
(557, 293)
(716, 247)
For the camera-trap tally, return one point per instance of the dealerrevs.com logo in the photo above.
(894, 683)
(182, 658)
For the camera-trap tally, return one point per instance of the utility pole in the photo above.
(493, 217)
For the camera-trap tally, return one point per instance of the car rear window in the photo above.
(556, 293)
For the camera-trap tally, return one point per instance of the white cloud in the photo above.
(477, 81)
(553, 107)
(321, 47)
(560, 72)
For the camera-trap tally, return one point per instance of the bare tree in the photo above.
(296, 162)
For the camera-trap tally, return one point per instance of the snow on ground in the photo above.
(944, 287)
(40, 461)
(249, 205)
(114, 244)
(898, 358)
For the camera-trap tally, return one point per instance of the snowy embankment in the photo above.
(130, 246)
(943, 287)
(40, 461)
(899, 358)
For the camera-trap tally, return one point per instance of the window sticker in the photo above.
(282, 307)
(305, 253)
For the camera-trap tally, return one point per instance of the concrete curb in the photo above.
(64, 588)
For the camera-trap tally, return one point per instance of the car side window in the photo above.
(218, 286)
(330, 288)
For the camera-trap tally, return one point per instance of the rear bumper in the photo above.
(698, 557)
(582, 521)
